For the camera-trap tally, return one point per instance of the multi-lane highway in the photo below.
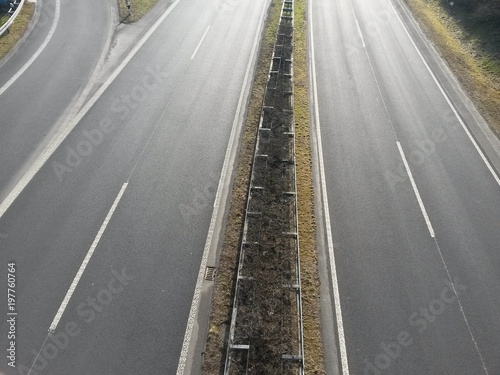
(411, 197)
(108, 235)
(109, 215)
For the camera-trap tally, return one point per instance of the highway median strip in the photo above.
(222, 307)
(223, 294)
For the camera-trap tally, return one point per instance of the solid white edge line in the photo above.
(359, 31)
(37, 355)
(65, 130)
(199, 44)
(201, 274)
(86, 260)
(415, 189)
(331, 254)
(93, 77)
(447, 98)
(40, 49)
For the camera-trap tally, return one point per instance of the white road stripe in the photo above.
(462, 311)
(38, 52)
(240, 111)
(37, 355)
(448, 100)
(199, 44)
(65, 130)
(331, 253)
(414, 185)
(415, 189)
(495, 176)
(85, 262)
(360, 33)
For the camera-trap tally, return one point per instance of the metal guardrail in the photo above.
(12, 18)
(260, 301)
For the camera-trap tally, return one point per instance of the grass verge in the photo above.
(471, 65)
(313, 348)
(137, 10)
(17, 29)
(223, 293)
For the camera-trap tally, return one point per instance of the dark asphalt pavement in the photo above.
(411, 303)
(38, 102)
(162, 127)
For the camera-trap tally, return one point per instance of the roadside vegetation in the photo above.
(480, 20)
(467, 34)
(138, 8)
(313, 348)
(17, 29)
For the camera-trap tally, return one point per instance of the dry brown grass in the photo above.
(307, 226)
(482, 85)
(17, 29)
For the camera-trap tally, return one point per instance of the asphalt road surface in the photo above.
(414, 204)
(127, 199)
(44, 79)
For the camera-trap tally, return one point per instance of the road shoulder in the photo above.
(451, 82)
(463, 55)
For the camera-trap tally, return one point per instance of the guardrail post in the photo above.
(15, 8)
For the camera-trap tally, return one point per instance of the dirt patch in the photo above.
(17, 29)
(475, 64)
